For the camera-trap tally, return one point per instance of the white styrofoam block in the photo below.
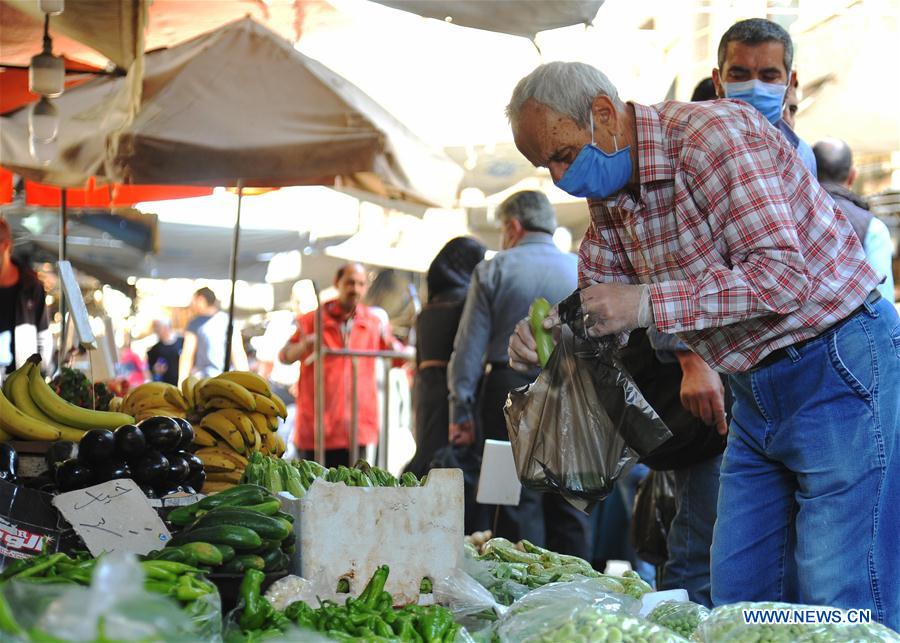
(348, 532)
(651, 600)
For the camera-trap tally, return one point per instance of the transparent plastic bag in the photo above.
(726, 625)
(115, 606)
(575, 612)
(582, 423)
(683, 617)
(497, 578)
(654, 511)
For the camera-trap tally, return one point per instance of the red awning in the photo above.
(108, 195)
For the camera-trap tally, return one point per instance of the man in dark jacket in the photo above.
(836, 174)
(23, 313)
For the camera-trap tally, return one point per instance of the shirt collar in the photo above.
(653, 163)
(789, 134)
(535, 237)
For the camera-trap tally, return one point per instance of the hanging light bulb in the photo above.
(43, 120)
(47, 73)
(52, 7)
(43, 151)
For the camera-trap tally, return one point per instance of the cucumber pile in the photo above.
(232, 531)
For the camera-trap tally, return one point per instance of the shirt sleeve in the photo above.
(469, 348)
(879, 248)
(735, 182)
(665, 345)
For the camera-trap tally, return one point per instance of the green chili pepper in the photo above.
(8, 622)
(35, 570)
(253, 615)
(542, 337)
(373, 589)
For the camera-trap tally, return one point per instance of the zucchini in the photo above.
(227, 551)
(233, 566)
(267, 508)
(204, 553)
(243, 494)
(174, 554)
(284, 516)
(251, 561)
(267, 546)
(274, 561)
(239, 537)
(267, 527)
(183, 516)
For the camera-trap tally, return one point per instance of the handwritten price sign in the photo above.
(113, 516)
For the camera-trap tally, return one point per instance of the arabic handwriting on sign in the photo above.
(105, 498)
(99, 527)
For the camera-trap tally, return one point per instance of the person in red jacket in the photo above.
(347, 323)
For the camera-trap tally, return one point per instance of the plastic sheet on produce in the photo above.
(582, 423)
(114, 607)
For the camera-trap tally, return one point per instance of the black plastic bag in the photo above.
(654, 510)
(582, 423)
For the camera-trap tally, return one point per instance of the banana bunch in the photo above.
(31, 410)
(239, 415)
(154, 398)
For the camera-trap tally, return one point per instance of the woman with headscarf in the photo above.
(448, 281)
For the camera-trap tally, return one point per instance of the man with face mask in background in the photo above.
(755, 58)
(501, 291)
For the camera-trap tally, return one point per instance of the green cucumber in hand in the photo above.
(542, 337)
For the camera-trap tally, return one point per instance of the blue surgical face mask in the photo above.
(768, 98)
(594, 174)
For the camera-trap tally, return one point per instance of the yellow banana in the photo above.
(243, 423)
(221, 403)
(151, 401)
(20, 397)
(281, 447)
(69, 414)
(250, 381)
(273, 422)
(213, 486)
(233, 477)
(270, 442)
(226, 388)
(4, 436)
(216, 462)
(12, 377)
(187, 389)
(260, 423)
(265, 405)
(115, 404)
(16, 423)
(240, 461)
(279, 404)
(258, 440)
(203, 438)
(223, 427)
(175, 398)
(147, 393)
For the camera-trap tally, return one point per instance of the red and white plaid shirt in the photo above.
(744, 251)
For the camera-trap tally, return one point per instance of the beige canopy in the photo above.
(517, 17)
(239, 104)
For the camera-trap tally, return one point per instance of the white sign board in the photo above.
(113, 516)
(498, 483)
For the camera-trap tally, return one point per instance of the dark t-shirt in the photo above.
(9, 298)
(164, 358)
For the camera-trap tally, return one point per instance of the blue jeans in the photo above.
(809, 498)
(691, 531)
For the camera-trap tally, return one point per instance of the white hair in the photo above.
(566, 88)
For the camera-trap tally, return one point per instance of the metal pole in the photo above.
(385, 417)
(234, 255)
(319, 402)
(63, 254)
(354, 410)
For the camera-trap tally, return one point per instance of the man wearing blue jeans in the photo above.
(705, 223)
